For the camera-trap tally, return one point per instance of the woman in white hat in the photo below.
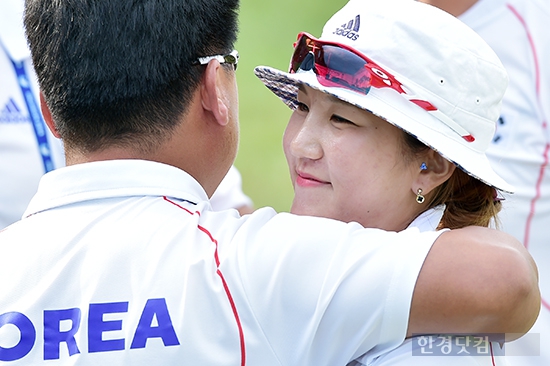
(394, 107)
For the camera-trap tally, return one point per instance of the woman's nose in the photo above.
(306, 142)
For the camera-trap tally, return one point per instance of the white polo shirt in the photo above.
(125, 263)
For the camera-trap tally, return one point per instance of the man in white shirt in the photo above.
(22, 162)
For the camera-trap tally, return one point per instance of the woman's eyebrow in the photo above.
(332, 98)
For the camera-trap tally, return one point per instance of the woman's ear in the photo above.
(433, 171)
(213, 93)
(47, 114)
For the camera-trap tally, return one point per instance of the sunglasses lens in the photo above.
(301, 50)
(334, 66)
(231, 59)
(339, 65)
(344, 69)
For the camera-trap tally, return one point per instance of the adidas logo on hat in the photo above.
(349, 29)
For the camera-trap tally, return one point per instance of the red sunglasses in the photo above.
(338, 65)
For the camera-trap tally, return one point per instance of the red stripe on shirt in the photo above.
(536, 198)
(544, 125)
(225, 286)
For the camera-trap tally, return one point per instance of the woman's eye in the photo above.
(302, 107)
(339, 119)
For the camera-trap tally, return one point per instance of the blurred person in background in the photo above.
(229, 194)
(518, 32)
(27, 147)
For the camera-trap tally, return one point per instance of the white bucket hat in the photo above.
(437, 59)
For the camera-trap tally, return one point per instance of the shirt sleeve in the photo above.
(324, 292)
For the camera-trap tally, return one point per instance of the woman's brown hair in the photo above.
(468, 200)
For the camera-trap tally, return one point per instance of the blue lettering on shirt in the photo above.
(28, 336)
(53, 336)
(97, 326)
(164, 330)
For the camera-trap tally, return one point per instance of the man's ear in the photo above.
(433, 171)
(213, 93)
(47, 114)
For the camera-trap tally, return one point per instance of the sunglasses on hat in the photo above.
(339, 65)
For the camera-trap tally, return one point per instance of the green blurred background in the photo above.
(268, 29)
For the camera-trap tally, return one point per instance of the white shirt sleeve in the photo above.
(352, 298)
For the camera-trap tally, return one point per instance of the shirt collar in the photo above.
(429, 220)
(113, 178)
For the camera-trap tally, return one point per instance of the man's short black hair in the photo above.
(120, 71)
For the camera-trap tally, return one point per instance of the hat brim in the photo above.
(392, 107)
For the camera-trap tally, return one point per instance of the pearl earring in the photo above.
(419, 196)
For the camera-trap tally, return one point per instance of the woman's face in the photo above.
(347, 164)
